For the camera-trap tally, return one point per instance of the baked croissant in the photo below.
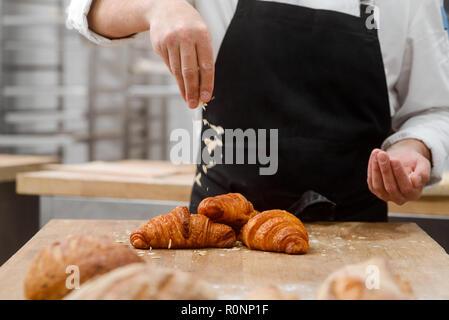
(277, 231)
(143, 281)
(370, 280)
(181, 230)
(91, 256)
(232, 209)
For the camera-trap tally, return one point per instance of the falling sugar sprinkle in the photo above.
(197, 179)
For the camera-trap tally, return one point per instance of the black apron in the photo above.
(318, 77)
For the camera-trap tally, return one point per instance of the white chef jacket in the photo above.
(415, 50)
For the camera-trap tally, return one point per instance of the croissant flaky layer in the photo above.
(232, 209)
(181, 230)
(277, 231)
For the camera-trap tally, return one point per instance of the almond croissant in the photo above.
(232, 209)
(181, 230)
(275, 230)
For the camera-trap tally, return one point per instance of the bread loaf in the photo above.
(370, 280)
(91, 256)
(144, 282)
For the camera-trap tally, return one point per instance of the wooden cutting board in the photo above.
(10, 165)
(130, 179)
(410, 251)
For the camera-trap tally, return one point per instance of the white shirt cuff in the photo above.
(77, 19)
(431, 140)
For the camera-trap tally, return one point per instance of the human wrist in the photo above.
(412, 144)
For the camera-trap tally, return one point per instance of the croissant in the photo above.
(142, 281)
(232, 209)
(353, 282)
(91, 256)
(275, 230)
(181, 230)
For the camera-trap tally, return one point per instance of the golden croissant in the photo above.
(181, 230)
(90, 256)
(143, 281)
(232, 209)
(277, 231)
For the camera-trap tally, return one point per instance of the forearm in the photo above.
(118, 19)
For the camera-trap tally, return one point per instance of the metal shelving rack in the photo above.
(147, 95)
(13, 137)
(143, 92)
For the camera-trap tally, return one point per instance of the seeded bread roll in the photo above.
(92, 256)
(144, 282)
(370, 280)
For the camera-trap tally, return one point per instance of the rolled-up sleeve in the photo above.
(77, 13)
(423, 87)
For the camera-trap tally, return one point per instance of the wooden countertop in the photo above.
(130, 179)
(410, 251)
(10, 165)
(152, 180)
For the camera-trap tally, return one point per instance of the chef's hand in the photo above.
(181, 37)
(400, 174)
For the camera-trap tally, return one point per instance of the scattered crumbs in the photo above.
(219, 130)
(151, 253)
(222, 255)
(141, 254)
(203, 105)
(120, 241)
(376, 246)
(201, 253)
(155, 257)
(212, 144)
(353, 236)
(323, 254)
(362, 238)
(211, 165)
(413, 241)
(338, 238)
(169, 244)
(197, 179)
(314, 241)
(352, 248)
(128, 232)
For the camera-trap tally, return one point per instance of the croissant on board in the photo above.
(181, 230)
(370, 280)
(142, 281)
(53, 266)
(232, 209)
(277, 231)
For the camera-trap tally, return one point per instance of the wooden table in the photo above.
(409, 250)
(152, 180)
(130, 179)
(19, 215)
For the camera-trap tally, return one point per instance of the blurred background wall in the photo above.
(65, 96)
